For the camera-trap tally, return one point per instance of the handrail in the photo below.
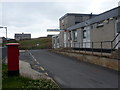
(116, 44)
(115, 37)
(114, 40)
(112, 46)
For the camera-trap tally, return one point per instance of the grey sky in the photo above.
(36, 17)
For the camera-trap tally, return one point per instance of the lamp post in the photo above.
(6, 32)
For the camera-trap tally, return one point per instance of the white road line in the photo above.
(46, 74)
(33, 57)
(42, 68)
(37, 62)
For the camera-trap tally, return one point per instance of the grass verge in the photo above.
(19, 82)
(36, 43)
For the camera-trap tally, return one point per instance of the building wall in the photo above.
(80, 36)
(55, 42)
(61, 38)
(82, 18)
(104, 33)
(22, 36)
(67, 22)
(71, 20)
(98, 32)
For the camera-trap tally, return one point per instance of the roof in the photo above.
(76, 14)
(103, 16)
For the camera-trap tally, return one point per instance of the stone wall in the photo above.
(98, 60)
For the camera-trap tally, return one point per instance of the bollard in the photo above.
(13, 59)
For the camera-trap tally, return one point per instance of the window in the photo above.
(84, 34)
(91, 26)
(65, 37)
(62, 21)
(106, 21)
(118, 27)
(57, 40)
(75, 35)
(77, 22)
(70, 36)
(100, 24)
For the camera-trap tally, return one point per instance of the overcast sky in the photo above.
(37, 17)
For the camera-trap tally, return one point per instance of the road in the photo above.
(71, 73)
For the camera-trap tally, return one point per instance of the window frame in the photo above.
(84, 34)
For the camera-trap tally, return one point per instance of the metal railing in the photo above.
(116, 44)
(102, 47)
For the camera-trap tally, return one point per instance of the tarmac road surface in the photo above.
(71, 73)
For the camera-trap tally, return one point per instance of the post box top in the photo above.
(12, 44)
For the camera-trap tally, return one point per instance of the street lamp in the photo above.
(6, 32)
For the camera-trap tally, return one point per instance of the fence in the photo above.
(102, 47)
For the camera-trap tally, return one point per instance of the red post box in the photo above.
(13, 58)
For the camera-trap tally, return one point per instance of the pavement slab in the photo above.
(27, 71)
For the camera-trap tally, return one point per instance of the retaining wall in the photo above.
(98, 60)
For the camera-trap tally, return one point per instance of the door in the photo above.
(65, 39)
(86, 37)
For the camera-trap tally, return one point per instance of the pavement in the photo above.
(69, 72)
(27, 71)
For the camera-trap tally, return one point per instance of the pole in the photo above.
(6, 34)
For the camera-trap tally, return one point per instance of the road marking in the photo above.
(42, 68)
(33, 57)
(37, 62)
(46, 74)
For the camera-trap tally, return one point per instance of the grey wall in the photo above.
(61, 38)
(70, 20)
(105, 33)
(80, 36)
(67, 22)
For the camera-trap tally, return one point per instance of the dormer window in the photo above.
(100, 24)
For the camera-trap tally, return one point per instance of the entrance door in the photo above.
(65, 39)
(86, 37)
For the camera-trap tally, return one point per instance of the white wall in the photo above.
(87, 39)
